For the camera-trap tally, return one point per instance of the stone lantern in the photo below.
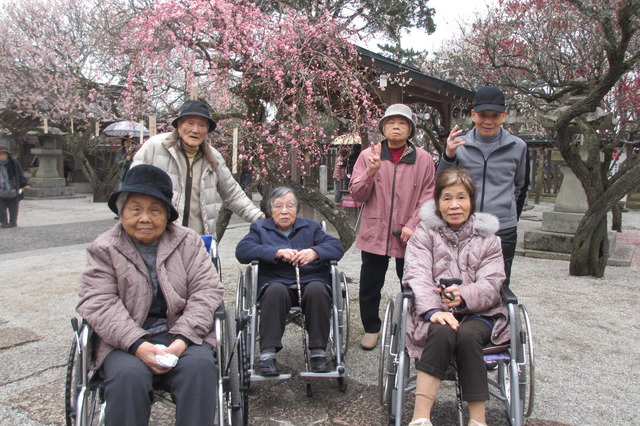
(48, 180)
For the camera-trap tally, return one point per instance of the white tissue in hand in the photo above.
(167, 360)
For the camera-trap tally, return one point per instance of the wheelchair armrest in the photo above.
(220, 312)
(407, 293)
(508, 297)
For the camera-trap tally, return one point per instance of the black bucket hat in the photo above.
(489, 98)
(195, 108)
(149, 180)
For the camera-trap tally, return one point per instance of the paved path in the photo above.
(586, 332)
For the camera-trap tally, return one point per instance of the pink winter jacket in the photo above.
(473, 254)
(116, 289)
(392, 197)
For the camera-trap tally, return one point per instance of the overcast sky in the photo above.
(448, 15)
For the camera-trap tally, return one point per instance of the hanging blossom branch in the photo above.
(287, 78)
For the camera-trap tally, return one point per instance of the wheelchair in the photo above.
(248, 311)
(84, 389)
(511, 366)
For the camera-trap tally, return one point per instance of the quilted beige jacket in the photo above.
(116, 289)
(216, 180)
(473, 254)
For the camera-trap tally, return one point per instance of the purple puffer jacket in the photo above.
(116, 290)
(473, 254)
(392, 197)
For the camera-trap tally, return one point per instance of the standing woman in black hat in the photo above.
(149, 291)
(12, 181)
(497, 162)
(197, 170)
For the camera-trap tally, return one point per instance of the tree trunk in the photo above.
(102, 191)
(590, 251)
(222, 221)
(326, 208)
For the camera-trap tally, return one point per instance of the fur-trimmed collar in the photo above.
(485, 224)
(207, 151)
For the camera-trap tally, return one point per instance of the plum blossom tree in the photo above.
(286, 80)
(56, 63)
(565, 59)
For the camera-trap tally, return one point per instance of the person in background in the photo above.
(149, 291)
(452, 241)
(339, 174)
(197, 170)
(497, 162)
(279, 243)
(124, 158)
(393, 178)
(12, 182)
(356, 149)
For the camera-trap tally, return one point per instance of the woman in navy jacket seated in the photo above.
(280, 242)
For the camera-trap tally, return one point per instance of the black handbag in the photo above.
(11, 194)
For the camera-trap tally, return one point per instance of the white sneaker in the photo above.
(421, 422)
(476, 423)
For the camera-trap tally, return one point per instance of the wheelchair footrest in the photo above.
(255, 377)
(329, 375)
(497, 357)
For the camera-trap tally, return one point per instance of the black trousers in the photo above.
(192, 384)
(275, 303)
(508, 240)
(12, 207)
(465, 345)
(372, 273)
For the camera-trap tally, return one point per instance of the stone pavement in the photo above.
(585, 330)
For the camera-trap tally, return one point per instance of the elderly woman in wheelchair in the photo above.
(448, 322)
(149, 291)
(282, 243)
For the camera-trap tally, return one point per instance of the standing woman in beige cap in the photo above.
(12, 181)
(393, 178)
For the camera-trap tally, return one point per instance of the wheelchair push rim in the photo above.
(385, 377)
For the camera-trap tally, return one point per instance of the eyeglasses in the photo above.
(280, 207)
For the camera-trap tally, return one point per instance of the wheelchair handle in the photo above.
(397, 232)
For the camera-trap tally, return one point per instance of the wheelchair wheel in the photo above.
(527, 379)
(237, 406)
(83, 402)
(72, 383)
(239, 295)
(386, 361)
(345, 318)
(344, 314)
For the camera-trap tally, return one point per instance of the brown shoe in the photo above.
(369, 341)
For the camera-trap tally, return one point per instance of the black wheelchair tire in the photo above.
(70, 385)
(234, 361)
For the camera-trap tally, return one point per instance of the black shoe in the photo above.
(268, 367)
(320, 364)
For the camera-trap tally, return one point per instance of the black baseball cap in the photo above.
(489, 98)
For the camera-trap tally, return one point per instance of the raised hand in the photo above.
(453, 141)
(373, 162)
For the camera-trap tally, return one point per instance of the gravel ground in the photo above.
(586, 331)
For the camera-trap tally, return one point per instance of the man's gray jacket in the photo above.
(499, 178)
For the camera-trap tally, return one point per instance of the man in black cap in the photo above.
(497, 161)
(197, 170)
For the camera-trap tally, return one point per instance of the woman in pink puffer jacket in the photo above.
(453, 242)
